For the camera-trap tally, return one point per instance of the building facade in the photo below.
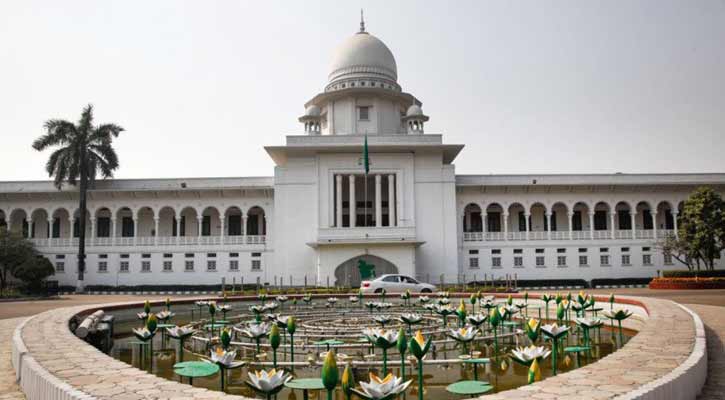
(321, 212)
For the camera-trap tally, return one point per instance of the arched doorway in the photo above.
(348, 273)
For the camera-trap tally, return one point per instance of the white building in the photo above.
(320, 213)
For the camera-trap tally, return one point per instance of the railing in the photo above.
(472, 236)
(565, 235)
(153, 241)
(517, 236)
(363, 233)
(623, 234)
(598, 235)
(495, 236)
(645, 234)
(581, 235)
(560, 235)
(538, 235)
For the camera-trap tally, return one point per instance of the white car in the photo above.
(394, 283)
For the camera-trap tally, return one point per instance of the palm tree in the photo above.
(82, 151)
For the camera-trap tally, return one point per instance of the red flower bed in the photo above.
(687, 283)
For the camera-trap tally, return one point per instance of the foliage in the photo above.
(82, 151)
(702, 227)
(34, 271)
(692, 274)
(14, 252)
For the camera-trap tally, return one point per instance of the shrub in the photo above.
(692, 274)
(33, 271)
(620, 281)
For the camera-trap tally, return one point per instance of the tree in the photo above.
(14, 251)
(680, 250)
(702, 226)
(83, 150)
(33, 271)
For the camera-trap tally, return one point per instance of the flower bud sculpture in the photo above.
(402, 346)
(461, 313)
(532, 329)
(346, 382)
(168, 304)
(546, 298)
(274, 342)
(330, 374)
(225, 336)
(534, 372)
(419, 346)
(494, 319)
(291, 329)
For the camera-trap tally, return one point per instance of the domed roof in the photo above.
(312, 111)
(414, 111)
(363, 55)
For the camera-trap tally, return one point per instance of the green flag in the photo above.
(366, 158)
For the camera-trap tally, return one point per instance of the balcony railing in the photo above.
(369, 233)
(566, 235)
(154, 241)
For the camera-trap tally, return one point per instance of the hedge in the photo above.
(620, 281)
(693, 274)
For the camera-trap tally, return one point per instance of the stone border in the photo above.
(53, 364)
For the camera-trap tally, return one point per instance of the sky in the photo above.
(528, 86)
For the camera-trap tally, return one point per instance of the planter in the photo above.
(687, 283)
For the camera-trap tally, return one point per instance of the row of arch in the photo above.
(559, 216)
(141, 221)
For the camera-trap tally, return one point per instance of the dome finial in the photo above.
(362, 21)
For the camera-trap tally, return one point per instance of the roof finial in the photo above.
(362, 21)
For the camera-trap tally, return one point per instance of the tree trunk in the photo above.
(82, 222)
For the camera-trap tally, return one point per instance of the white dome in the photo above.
(414, 111)
(363, 56)
(312, 111)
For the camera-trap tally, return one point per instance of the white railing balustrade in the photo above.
(517, 235)
(598, 235)
(472, 236)
(580, 235)
(151, 241)
(538, 235)
(645, 234)
(256, 239)
(624, 234)
(560, 235)
(495, 236)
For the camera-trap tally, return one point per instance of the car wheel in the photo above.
(378, 290)
(426, 290)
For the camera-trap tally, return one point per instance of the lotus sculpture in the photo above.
(410, 319)
(554, 332)
(526, 355)
(618, 315)
(255, 331)
(225, 360)
(385, 339)
(463, 336)
(382, 389)
(268, 383)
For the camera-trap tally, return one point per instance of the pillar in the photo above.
(633, 215)
(484, 223)
(50, 228)
(267, 224)
(135, 230)
(674, 220)
(591, 225)
(338, 201)
(527, 217)
(611, 223)
(222, 219)
(654, 224)
(71, 223)
(391, 200)
(548, 225)
(353, 211)
(113, 228)
(199, 221)
(178, 226)
(571, 225)
(156, 230)
(244, 225)
(466, 221)
(505, 226)
(378, 201)
(93, 227)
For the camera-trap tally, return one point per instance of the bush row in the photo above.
(692, 274)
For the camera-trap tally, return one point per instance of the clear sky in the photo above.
(528, 86)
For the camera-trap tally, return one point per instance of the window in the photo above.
(211, 255)
(189, 265)
(473, 262)
(561, 261)
(625, 249)
(625, 259)
(668, 258)
(561, 251)
(625, 221)
(494, 222)
(211, 265)
(604, 249)
(583, 261)
(168, 266)
(522, 222)
(363, 113)
(646, 249)
(540, 261)
(124, 255)
(539, 251)
(168, 255)
(60, 267)
(126, 227)
(518, 251)
(256, 254)
(234, 225)
(647, 259)
(496, 262)
(206, 225)
(103, 256)
(189, 255)
(518, 262)
(604, 260)
(392, 278)
(233, 255)
(600, 220)
(472, 251)
(102, 266)
(103, 227)
(146, 255)
(582, 249)
(234, 265)
(577, 221)
(553, 221)
(124, 266)
(496, 251)
(145, 266)
(669, 220)
(646, 219)
(60, 256)
(256, 265)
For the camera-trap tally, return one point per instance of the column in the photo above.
(378, 201)
(353, 211)
(50, 228)
(654, 224)
(178, 228)
(156, 230)
(611, 223)
(338, 201)
(222, 219)
(135, 230)
(199, 221)
(391, 200)
(466, 221)
(633, 215)
(93, 231)
(484, 222)
(548, 225)
(571, 225)
(674, 220)
(244, 225)
(527, 217)
(591, 225)
(113, 228)
(30, 232)
(71, 223)
(505, 226)
(267, 226)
